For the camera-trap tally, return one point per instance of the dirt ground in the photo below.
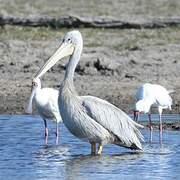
(113, 64)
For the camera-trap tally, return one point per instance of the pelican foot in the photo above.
(100, 149)
(93, 149)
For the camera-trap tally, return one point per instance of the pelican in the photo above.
(46, 102)
(90, 118)
(148, 95)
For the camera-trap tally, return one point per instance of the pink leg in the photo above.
(160, 129)
(150, 126)
(136, 116)
(46, 132)
(57, 133)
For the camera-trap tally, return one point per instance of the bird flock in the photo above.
(87, 117)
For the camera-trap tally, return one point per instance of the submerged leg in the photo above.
(160, 125)
(150, 126)
(93, 148)
(57, 133)
(46, 132)
(136, 116)
(100, 148)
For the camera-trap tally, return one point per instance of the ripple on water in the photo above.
(54, 152)
(24, 155)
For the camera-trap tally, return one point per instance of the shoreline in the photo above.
(171, 125)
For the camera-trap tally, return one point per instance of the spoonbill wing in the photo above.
(52, 107)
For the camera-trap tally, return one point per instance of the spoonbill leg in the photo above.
(46, 132)
(150, 126)
(57, 133)
(160, 125)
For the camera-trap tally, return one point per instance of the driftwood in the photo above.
(98, 22)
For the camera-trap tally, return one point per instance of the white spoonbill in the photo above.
(46, 103)
(90, 118)
(148, 95)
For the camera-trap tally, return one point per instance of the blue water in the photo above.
(24, 156)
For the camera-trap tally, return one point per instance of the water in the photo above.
(24, 156)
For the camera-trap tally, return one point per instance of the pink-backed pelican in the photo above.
(90, 118)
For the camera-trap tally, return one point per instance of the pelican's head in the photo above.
(72, 42)
(36, 84)
(73, 37)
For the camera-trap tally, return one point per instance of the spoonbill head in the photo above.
(141, 106)
(36, 84)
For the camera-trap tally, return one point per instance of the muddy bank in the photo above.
(166, 125)
(113, 64)
(87, 22)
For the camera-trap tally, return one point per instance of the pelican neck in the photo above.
(71, 66)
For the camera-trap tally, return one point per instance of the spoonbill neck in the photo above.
(32, 98)
(37, 91)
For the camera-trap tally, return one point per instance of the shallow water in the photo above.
(23, 155)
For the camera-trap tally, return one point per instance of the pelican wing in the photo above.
(114, 120)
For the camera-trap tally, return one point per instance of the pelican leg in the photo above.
(46, 132)
(93, 148)
(100, 148)
(150, 126)
(57, 133)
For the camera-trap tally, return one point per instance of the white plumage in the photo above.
(152, 95)
(90, 118)
(46, 103)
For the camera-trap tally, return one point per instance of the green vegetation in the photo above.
(137, 39)
(126, 39)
